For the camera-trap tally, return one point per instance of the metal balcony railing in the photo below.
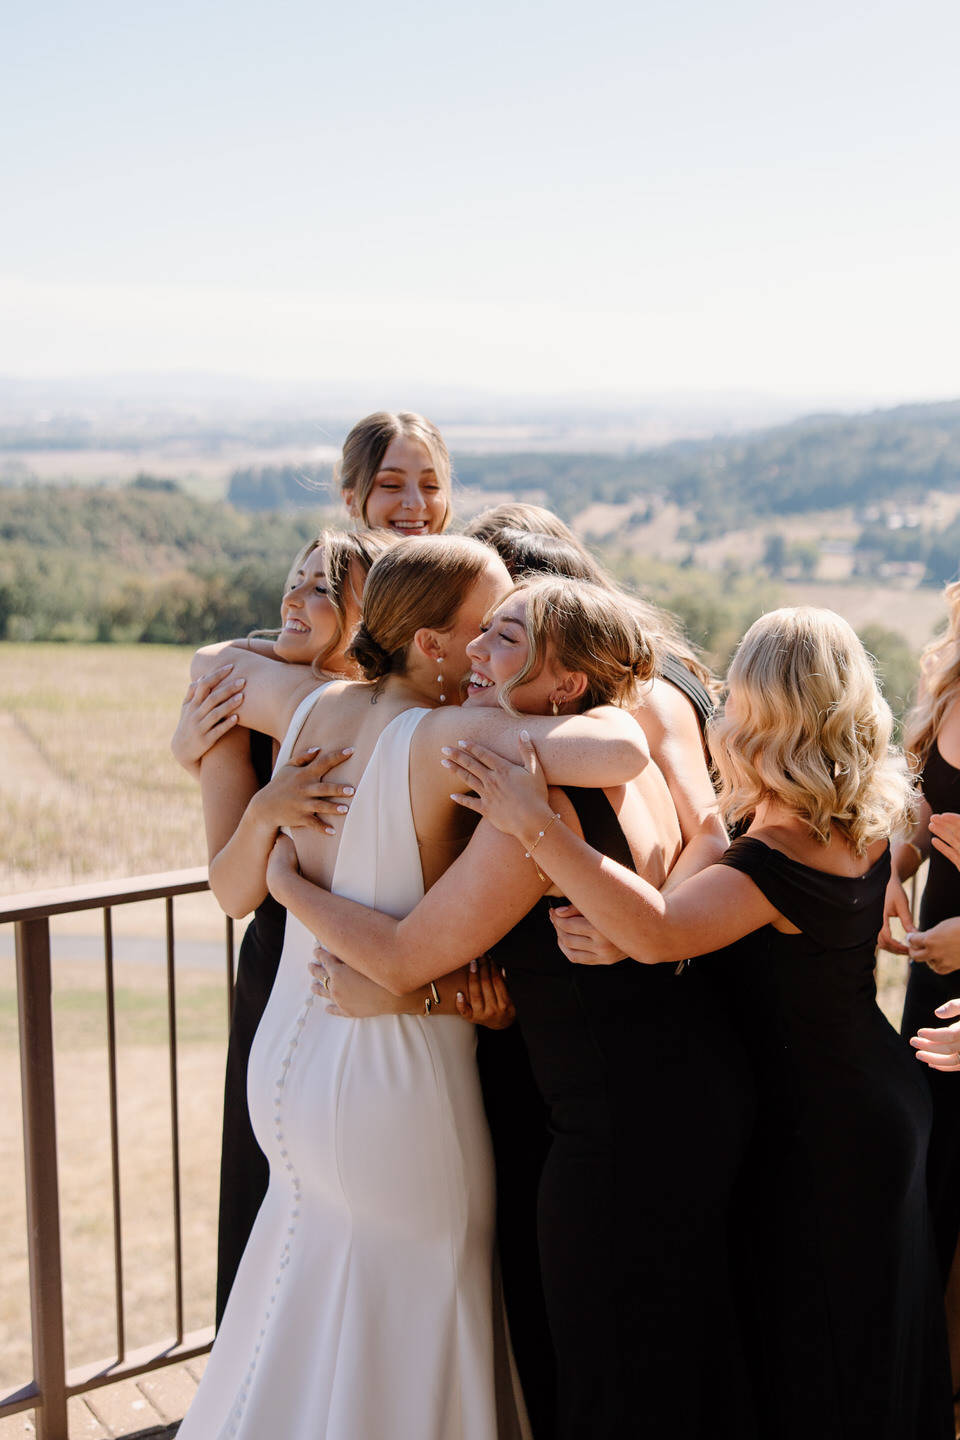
(52, 1384)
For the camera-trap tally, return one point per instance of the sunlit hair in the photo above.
(418, 584)
(531, 552)
(939, 683)
(807, 726)
(581, 626)
(517, 515)
(366, 445)
(342, 550)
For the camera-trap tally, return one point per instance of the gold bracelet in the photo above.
(529, 853)
(432, 1000)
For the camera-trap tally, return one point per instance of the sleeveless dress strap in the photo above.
(378, 863)
(297, 723)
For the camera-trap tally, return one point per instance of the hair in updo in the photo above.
(588, 628)
(810, 729)
(420, 583)
(366, 445)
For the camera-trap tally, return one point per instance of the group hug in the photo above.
(559, 1105)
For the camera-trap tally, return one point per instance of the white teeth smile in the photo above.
(479, 681)
(409, 526)
(296, 627)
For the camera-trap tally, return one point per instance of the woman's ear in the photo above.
(568, 686)
(349, 499)
(429, 643)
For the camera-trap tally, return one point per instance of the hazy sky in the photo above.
(681, 196)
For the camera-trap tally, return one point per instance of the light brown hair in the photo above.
(341, 550)
(366, 445)
(418, 584)
(589, 629)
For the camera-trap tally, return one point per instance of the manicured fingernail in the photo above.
(524, 734)
(348, 789)
(503, 971)
(462, 744)
(329, 830)
(459, 997)
(348, 751)
(445, 750)
(446, 764)
(473, 967)
(342, 809)
(314, 750)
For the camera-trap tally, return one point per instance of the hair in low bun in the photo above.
(417, 584)
(373, 660)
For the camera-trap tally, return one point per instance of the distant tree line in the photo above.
(142, 563)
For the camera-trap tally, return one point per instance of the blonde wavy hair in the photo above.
(809, 728)
(366, 445)
(939, 684)
(587, 628)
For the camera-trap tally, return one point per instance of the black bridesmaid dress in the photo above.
(244, 1171)
(925, 991)
(833, 1235)
(647, 1134)
(519, 1125)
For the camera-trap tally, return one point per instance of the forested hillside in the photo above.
(141, 563)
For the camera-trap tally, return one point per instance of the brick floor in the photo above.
(148, 1408)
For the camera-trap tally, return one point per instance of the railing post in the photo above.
(34, 992)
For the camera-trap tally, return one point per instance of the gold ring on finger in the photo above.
(326, 983)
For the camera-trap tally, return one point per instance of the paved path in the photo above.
(148, 1408)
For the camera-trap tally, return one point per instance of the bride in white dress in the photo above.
(366, 1306)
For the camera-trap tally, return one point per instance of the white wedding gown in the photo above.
(367, 1304)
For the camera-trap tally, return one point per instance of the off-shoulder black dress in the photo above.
(646, 1138)
(848, 1337)
(925, 991)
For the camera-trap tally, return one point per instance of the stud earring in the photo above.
(440, 680)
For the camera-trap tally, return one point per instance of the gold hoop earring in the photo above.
(440, 680)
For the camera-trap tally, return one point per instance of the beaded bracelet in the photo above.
(540, 835)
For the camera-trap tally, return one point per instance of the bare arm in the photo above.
(242, 820)
(272, 690)
(673, 732)
(703, 914)
(600, 748)
(906, 857)
(483, 894)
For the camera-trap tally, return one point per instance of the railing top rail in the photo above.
(37, 904)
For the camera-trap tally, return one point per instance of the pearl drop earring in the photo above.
(556, 707)
(440, 680)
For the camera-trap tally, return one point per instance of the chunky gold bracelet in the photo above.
(540, 835)
(432, 1000)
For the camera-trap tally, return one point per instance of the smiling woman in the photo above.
(395, 474)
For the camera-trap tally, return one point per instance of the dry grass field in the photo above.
(88, 791)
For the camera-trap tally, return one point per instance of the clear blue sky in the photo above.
(680, 196)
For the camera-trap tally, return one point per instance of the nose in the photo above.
(475, 647)
(412, 499)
